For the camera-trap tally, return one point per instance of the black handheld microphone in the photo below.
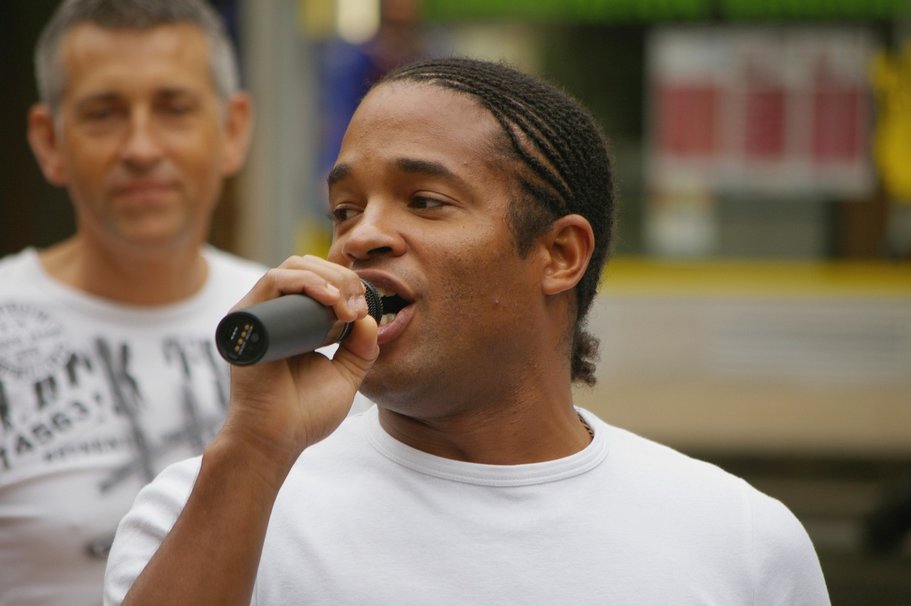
(284, 327)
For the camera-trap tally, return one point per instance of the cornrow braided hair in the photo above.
(566, 161)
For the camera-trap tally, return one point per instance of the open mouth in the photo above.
(392, 304)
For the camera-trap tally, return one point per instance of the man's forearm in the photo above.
(211, 554)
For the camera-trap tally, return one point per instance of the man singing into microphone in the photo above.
(481, 198)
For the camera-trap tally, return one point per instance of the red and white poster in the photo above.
(784, 111)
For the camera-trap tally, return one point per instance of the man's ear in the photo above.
(42, 138)
(238, 129)
(568, 245)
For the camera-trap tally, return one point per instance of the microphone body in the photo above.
(283, 327)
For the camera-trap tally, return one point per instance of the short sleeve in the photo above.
(140, 532)
(786, 567)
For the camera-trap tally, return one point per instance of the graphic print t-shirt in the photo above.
(95, 399)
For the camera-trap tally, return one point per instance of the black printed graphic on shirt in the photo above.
(52, 396)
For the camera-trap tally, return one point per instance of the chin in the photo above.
(392, 390)
(155, 238)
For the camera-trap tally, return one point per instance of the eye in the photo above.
(176, 106)
(100, 113)
(425, 203)
(178, 109)
(340, 214)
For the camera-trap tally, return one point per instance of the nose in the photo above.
(376, 232)
(141, 147)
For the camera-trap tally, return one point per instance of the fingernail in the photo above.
(358, 303)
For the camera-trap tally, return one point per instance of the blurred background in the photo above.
(757, 310)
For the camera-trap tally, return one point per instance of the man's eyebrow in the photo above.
(102, 97)
(108, 96)
(427, 167)
(174, 91)
(338, 172)
(407, 165)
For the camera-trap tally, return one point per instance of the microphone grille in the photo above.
(374, 302)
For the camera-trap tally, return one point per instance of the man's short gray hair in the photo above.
(138, 15)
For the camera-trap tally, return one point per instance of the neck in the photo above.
(523, 432)
(130, 277)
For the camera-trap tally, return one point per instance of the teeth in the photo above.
(387, 317)
(394, 301)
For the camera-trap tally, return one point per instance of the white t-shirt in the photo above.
(364, 519)
(95, 399)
